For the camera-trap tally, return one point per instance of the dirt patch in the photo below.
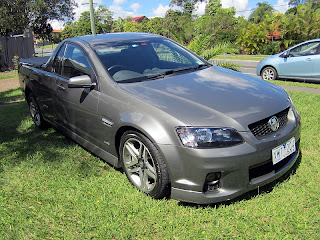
(10, 83)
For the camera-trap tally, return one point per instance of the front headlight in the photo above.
(208, 137)
(296, 113)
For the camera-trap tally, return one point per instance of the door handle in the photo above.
(61, 87)
(308, 59)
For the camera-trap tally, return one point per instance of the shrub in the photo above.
(15, 61)
(228, 65)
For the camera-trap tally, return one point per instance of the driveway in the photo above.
(10, 83)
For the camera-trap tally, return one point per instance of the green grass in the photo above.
(9, 74)
(51, 188)
(241, 57)
(295, 83)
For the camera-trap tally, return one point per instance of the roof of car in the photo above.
(114, 37)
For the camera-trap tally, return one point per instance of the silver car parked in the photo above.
(177, 125)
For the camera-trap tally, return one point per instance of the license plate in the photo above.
(281, 152)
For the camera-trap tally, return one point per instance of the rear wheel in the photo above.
(269, 73)
(144, 165)
(35, 112)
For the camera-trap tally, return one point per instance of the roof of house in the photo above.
(138, 18)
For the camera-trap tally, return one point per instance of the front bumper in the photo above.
(242, 168)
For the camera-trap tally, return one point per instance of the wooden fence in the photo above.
(20, 45)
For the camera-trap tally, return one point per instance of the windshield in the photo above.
(146, 59)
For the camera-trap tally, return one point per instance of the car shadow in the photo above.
(8, 97)
(253, 193)
(21, 140)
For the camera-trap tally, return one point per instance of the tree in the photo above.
(218, 23)
(118, 25)
(302, 23)
(103, 18)
(155, 25)
(188, 6)
(68, 30)
(43, 31)
(260, 13)
(103, 23)
(212, 7)
(18, 15)
(297, 2)
(13, 16)
(179, 26)
(253, 38)
(132, 27)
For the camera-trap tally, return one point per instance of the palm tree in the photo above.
(259, 14)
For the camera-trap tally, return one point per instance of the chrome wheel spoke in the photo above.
(151, 171)
(132, 150)
(145, 181)
(139, 165)
(142, 150)
(132, 163)
(142, 182)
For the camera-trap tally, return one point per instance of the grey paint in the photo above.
(209, 97)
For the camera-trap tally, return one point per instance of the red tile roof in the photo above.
(138, 18)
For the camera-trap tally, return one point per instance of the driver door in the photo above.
(78, 106)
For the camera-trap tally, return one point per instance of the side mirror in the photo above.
(83, 81)
(285, 54)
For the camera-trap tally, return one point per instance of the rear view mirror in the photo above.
(83, 81)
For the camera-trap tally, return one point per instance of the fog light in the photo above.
(212, 181)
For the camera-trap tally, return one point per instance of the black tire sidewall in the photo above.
(33, 100)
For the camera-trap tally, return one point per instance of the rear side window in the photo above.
(75, 62)
(57, 62)
(306, 49)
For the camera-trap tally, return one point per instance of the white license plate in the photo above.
(281, 152)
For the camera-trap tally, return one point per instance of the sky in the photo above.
(158, 8)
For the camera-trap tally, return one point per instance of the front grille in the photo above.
(262, 128)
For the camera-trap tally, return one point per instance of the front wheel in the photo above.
(269, 73)
(144, 165)
(35, 112)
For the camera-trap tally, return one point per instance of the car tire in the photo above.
(36, 113)
(269, 73)
(143, 165)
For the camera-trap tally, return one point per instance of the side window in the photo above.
(306, 50)
(57, 62)
(75, 62)
(168, 54)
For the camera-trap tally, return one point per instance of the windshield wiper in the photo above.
(171, 71)
(163, 74)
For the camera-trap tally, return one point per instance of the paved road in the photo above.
(43, 53)
(248, 67)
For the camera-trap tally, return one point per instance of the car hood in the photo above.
(212, 97)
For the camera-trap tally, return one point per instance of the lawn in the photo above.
(9, 74)
(51, 188)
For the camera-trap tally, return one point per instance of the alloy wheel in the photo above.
(139, 165)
